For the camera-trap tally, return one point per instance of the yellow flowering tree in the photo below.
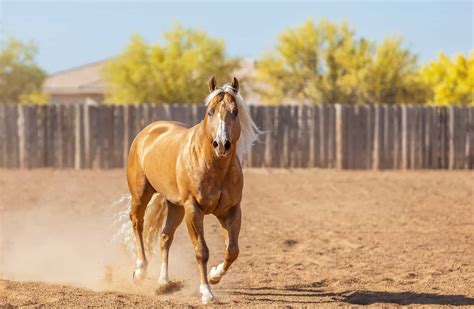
(450, 81)
(174, 72)
(326, 63)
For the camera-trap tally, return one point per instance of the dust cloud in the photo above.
(79, 244)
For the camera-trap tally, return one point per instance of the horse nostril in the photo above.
(227, 145)
(215, 144)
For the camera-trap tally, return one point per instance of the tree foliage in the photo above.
(326, 63)
(176, 71)
(20, 76)
(450, 81)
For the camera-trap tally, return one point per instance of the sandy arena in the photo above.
(309, 238)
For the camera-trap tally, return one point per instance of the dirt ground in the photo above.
(309, 238)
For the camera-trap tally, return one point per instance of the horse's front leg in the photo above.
(231, 224)
(194, 221)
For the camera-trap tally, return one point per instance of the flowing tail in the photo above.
(155, 215)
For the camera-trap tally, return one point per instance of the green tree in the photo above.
(450, 81)
(176, 71)
(326, 63)
(20, 76)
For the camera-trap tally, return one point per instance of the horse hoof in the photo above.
(208, 300)
(207, 296)
(216, 274)
(139, 275)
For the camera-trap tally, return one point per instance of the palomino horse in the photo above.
(195, 171)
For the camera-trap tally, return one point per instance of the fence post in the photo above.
(338, 136)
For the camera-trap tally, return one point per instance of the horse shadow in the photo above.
(316, 295)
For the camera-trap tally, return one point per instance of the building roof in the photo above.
(85, 79)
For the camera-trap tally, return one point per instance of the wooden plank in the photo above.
(460, 136)
(70, 136)
(426, 137)
(86, 124)
(40, 136)
(275, 138)
(445, 137)
(316, 136)
(304, 137)
(362, 137)
(384, 150)
(285, 162)
(470, 143)
(21, 135)
(411, 116)
(396, 137)
(357, 137)
(109, 128)
(95, 137)
(82, 136)
(311, 136)
(296, 150)
(279, 137)
(390, 117)
(32, 137)
(269, 114)
(451, 133)
(292, 136)
(346, 118)
(332, 136)
(77, 137)
(435, 139)
(340, 135)
(404, 137)
(377, 132)
(13, 140)
(118, 133)
(421, 135)
(57, 136)
(48, 136)
(416, 137)
(370, 135)
(3, 136)
(322, 137)
(188, 116)
(176, 113)
(257, 155)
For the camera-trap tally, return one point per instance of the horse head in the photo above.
(222, 117)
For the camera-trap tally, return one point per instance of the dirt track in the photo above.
(308, 237)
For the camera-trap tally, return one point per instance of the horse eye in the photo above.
(235, 112)
(210, 112)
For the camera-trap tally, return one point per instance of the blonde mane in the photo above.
(249, 130)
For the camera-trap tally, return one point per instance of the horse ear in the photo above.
(235, 84)
(212, 84)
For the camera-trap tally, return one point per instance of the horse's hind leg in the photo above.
(173, 220)
(231, 224)
(141, 195)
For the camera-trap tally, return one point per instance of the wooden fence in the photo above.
(327, 136)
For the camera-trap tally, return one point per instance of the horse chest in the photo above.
(208, 197)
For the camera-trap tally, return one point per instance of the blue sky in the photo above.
(72, 33)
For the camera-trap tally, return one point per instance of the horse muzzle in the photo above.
(222, 148)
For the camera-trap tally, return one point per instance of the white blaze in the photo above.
(221, 131)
